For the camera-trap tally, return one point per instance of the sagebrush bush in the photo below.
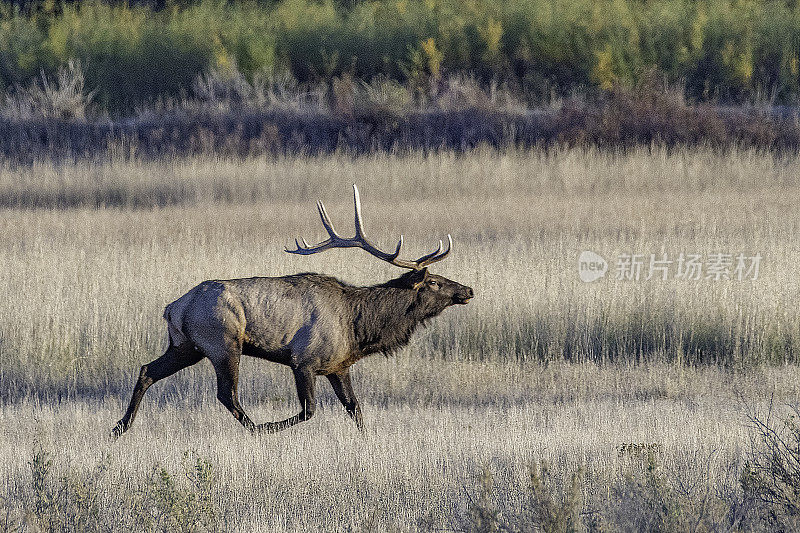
(771, 476)
(64, 97)
(169, 503)
(78, 501)
(71, 503)
(556, 507)
(552, 505)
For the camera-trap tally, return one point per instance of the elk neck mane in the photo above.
(385, 317)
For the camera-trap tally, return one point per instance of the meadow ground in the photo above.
(539, 369)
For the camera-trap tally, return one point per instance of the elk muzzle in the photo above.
(463, 295)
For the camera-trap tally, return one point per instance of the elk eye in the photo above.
(433, 283)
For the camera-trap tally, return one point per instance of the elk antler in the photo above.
(360, 241)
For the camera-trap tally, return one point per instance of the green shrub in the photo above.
(71, 504)
(23, 51)
(78, 501)
(715, 50)
(170, 503)
(130, 56)
(556, 508)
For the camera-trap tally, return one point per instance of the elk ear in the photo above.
(417, 277)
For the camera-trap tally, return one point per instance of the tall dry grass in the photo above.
(539, 367)
(89, 283)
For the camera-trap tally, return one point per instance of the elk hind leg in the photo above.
(174, 359)
(304, 379)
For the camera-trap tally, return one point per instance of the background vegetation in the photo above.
(719, 50)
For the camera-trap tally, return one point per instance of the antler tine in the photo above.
(361, 239)
(326, 220)
(297, 250)
(397, 250)
(424, 258)
(305, 249)
(435, 256)
(359, 220)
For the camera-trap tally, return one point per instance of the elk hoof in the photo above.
(267, 428)
(117, 431)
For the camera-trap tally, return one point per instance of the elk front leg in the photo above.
(343, 388)
(304, 379)
(174, 359)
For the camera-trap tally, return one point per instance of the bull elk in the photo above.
(314, 324)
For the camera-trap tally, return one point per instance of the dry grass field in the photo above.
(617, 405)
